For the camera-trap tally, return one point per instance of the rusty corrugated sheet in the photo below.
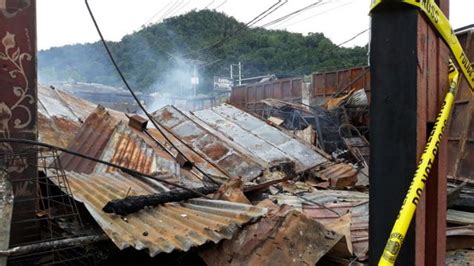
(261, 141)
(192, 155)
(128, 149)
(57, 103)
(211, 147)
(61, 115)
(331, 205)
(284, 237)
(91, 140)
(168, 227)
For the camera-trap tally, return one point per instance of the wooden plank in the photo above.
(460, 217)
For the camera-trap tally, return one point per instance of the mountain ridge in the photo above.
(160, 57)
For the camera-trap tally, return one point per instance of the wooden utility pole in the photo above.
(409, 79)
(18, 112)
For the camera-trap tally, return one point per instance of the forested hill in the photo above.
(158, 57)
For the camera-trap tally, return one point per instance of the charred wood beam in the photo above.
(57, 244)
(132, 204)
(454, 194)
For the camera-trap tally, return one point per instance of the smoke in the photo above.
(172, 88)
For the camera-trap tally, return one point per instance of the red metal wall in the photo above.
(328, 83)
(248, 96)
(323, 85)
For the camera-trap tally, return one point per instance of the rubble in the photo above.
(170, 226)
(284, 237)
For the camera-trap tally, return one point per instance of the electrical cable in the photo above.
(265, 13)
(353, 37)
(169, 10)
(156, 14)
(181, 8)
(210, 3)
(225, 1)
(282, 23)
(318, 14)
(123, 169)
(292, 14)
(150, 117)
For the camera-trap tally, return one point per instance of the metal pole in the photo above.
(240, 73)
(194, 83)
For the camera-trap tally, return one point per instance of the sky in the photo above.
(62, 22)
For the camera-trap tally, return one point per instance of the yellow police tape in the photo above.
(417, 185)
(441, 23)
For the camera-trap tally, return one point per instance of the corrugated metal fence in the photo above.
(325, 84)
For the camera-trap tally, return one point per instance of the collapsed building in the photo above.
(278, 176)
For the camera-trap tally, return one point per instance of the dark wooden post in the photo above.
(18, 110)
(409, 81)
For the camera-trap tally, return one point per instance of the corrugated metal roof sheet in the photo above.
(61, 115)
(57, 103)
(260, 140)
(336, 203)
(91, 140)
(172, 226)
(188, 152)
(211, 147)
(127, 149)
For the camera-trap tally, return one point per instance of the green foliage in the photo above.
(157, 57)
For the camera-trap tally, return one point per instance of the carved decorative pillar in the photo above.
(18, 112)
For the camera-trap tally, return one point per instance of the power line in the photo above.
(87, 157)
(318, 14)
(210, 3)
(150, 117)
(281, 23)
(259, 17)
(181, 8)
(285, 17)
(225, 1)
(156, 14)
(353, 37)
(171, 9)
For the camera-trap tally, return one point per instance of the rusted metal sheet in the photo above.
(53, 102)
(18, 109)
(327, 84)
(207, 144)
(283, 238)
(91, 140)
(339, 175)
(104, 137)
(461, 128)
(328, 206)
(197, 159)
(60, 115)
(172, 226)
(260, 140)
(248, 97)
(127, 149)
